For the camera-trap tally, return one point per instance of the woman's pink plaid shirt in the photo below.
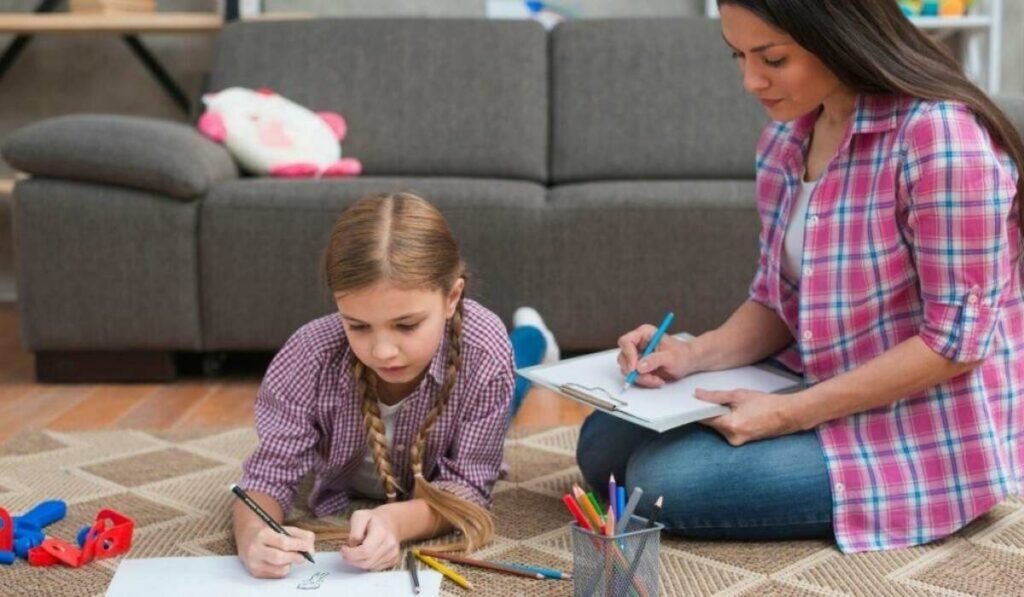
(912, 230)
(309, 421)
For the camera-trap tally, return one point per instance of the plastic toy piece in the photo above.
(109, 536)
(6, 531)
(27, 529)
(6, 558)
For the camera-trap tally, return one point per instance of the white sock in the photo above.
(528, 316)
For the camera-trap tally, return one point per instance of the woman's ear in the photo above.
(452, 301)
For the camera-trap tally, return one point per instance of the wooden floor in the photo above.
(191, 402)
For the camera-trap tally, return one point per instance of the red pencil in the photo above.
(574, 509)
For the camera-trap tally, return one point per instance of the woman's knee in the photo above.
(604, 446)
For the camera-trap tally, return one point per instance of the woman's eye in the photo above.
(775, 63)
(735, 55)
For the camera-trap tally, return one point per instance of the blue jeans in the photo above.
(770, 489)
(528, 348)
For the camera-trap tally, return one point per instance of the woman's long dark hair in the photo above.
(872, 47)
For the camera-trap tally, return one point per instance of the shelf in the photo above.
(967, 22)
(161, 22)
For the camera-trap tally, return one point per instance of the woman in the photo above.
(889, 276)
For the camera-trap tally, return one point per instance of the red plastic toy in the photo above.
(6, 532)
(110, 536)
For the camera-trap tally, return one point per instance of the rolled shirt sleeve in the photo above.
(470, 467)
(959, 200)
(285, 415)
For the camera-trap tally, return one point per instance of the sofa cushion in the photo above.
(421, 97)
(630, 251)
(144, 153)
(262, 243)
(653, 99)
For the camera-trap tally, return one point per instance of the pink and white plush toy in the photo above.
(270, 134)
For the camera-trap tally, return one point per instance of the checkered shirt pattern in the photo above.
(912, 230)
(309, 421)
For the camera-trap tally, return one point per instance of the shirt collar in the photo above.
(872, 113)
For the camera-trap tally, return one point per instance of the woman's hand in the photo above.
(672, 359)
(754, 416)
(373, 542)
(268, 554)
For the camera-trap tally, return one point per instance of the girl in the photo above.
(403, 396)
(889, 275)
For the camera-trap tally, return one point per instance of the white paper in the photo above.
(658, 408)
(216, 576)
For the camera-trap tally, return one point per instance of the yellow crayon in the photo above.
(452, 575)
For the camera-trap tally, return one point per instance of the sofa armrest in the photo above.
(144, 153)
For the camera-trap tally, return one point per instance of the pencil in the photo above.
(452, 575)
(631, 378)
(613, 495)
(497, 567)
(546, 572)
(627, 513)
(653, 520)
(248, 501)
(574, 509)
(410, 563)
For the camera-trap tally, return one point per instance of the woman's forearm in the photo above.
(752, 333)
(414, 520)
(904, 370)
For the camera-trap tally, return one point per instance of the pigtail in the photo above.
(366, 392)
(471, 519)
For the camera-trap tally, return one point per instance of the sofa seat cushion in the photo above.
(641, 249)
(262, 243)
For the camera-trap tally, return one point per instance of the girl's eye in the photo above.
(775, 63)
(357, 327)
(408, 327)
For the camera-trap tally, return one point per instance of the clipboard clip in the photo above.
(589, 394)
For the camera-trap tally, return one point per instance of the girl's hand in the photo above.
(372, 541)
(672, 359)
(754, 416)
(268, 554)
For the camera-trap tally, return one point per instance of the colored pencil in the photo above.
(613, 494)
(620, 504)
(410, 563)
(597, 505)
(574, 509)
(482, 564)
(653, 520)
(452, 575)
(546, 572)
(627, 513)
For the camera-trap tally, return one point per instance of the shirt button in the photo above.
(808, 335)
(839, 487)
(972, 299)
(400, 448)
(813, 220)
(808, 271)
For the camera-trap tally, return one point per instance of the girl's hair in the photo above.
(404, 240)
(872, 47)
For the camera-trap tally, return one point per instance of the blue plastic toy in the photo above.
(28, 528)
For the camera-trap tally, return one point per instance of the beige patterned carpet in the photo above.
(174, 485)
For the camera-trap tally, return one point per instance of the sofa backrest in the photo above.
(433, 97)
(651, 99)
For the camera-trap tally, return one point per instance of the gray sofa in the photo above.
(602, 172)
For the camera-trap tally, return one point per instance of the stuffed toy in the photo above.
(270, 134)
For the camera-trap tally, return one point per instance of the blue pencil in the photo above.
(649, 349)
(545, 572)
(620, 502)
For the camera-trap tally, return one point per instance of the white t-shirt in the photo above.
(366, 481)
(793, 243)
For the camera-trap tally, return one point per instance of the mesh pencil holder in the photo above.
(623, 565)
